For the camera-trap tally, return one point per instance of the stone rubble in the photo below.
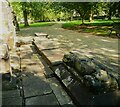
(96, 79)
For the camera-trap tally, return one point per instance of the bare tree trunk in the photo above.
(91, 16)
(83, 17)
(25, 18)
(110, 14)
(15, 22)
(83, 21)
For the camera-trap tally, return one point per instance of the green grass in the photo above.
(39, 24)
(71, 24)
(98, 27)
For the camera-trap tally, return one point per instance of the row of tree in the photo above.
(50, 11)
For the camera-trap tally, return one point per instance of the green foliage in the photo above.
(53, 11)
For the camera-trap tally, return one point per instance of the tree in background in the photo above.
(85, 9)
(56, 11)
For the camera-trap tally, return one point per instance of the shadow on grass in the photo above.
(98, 27)
(95, 29)
(41, 24)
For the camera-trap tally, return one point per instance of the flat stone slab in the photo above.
(35, 85)
(47, 100)
(59, 92)
(11, 94)
(12, 101)
(54, 55)
(46, 44)
(41, 34)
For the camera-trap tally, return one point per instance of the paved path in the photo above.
(33, 87)
(36, 89)
(104, 49)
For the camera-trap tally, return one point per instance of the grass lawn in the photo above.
(39, 24)
(98, 27)
(32, 28)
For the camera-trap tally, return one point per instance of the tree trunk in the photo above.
(25, 18)
(110, 14)
(83, 21)
(15, 22)
(91, 16)
(71, 15)
(83, 17)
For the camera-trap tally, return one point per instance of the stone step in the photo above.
(80, 94)
(48, 72)
(44, 100)
(59, 92)
(14, 101)
(11, 94)
(34, 85)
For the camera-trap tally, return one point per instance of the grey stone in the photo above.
(80, 94)
(59, 92)
(11, 94)
(41, 34)
(48, 72)
(101, 81)
(83, 66)
(49, 99)
(35, 85)
(12, 101)
(112, 98)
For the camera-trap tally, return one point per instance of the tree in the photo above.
(15, 22)
(25, 10)
(83, 8)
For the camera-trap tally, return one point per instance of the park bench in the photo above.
(116, 28)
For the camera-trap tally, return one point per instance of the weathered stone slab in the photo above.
(30, 61)
(45, 100)
(111, 99)
(54, 55)
(59, 92)
(81, 95)
(15, 101)
(35, 85)
(41, 34)
(48, 72)
(11, 94)
(46, 44)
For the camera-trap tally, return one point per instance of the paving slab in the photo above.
(41, 34)
(14, 101)
(54, 55)
(45, 100)
(30, 61)
(35, 85)
(45, 43)
(60, 93)
(11, 94)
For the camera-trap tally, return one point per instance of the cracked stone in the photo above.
(35, 85)
(49, 99)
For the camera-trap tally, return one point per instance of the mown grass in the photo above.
(39, 24)
(98, 27)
